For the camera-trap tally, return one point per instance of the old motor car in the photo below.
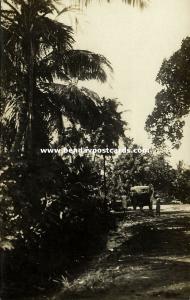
(141, 195)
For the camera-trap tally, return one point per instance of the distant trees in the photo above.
(173, 102)
(143, 169)
(182, 183)
(136, 169)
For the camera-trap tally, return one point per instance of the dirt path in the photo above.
(147, 258)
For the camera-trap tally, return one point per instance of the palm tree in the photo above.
(38, 51)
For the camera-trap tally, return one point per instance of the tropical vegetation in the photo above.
(54, 211)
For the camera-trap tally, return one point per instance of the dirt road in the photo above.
(147, 258)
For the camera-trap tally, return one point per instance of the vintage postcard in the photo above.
(94, 141)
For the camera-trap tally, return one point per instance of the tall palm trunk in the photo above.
(30, 92)
(1, 77)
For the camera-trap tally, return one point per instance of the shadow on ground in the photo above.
(147, 258)
(150, 259)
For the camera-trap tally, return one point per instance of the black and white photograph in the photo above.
(95, 150)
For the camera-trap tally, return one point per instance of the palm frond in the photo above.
(65, 10)
(77, 104)
(74, 64)
(53, 33)
(138, 3)
(86, 65)
(12, 111)
(11, 6)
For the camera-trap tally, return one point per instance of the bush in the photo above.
(55, 216)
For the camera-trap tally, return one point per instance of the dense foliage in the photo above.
(52, 213)
(132, 169)
(53, 208)
(57, 229)
(173, 102)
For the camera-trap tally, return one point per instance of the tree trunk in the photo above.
(61, 128)
(30, 150)
(20, 135)
(1, 83)
(104, 180)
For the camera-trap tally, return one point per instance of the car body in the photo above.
(118, 205)
(141, 195)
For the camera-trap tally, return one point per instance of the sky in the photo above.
(135, 42)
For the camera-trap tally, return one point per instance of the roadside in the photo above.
(147, 258)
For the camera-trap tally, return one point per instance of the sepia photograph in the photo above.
(94, 149)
